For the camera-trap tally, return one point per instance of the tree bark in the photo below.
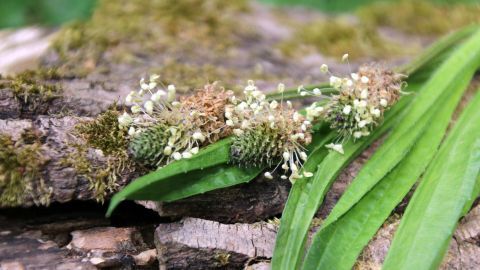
(251, 202)
(28, 251)
(55, 134)
(254, 201)
(202, 244)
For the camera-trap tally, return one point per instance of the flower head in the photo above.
(361, 101)
(271, 134)
(162, 130)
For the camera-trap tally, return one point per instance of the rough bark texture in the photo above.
(27, 251)
(201, 244)
(260, 199)
(462, 253)
(76, 236)
(55, 135)
(469, 227)
(14, 108)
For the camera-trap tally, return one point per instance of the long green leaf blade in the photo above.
(338, 245)
(437, 204)
(140, 188)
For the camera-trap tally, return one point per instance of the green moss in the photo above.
(20, 177)
(187, 77)
(420, 17)
(103, 179)
(33, 86)
(128, 28)
(103, 134)
(335, 37)
(222, 258)
(274, 221)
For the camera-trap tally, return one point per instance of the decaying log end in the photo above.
(200, 244)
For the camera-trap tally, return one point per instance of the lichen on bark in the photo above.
(33, 88)
(20, 171)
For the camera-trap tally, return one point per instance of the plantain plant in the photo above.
(211, 167)
(387, 176)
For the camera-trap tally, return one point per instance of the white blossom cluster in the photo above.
(270, 133)
(151, 106)
(275, 129)
(360, 103)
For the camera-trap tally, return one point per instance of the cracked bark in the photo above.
(200, 244)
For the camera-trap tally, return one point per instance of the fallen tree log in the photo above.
(203, 244)
(59, 181)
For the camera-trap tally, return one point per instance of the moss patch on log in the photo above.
(130, 29)
(420, 17)
(102, 134)
(33, 87)
(20, 171)
(335, 37)
(187, 77)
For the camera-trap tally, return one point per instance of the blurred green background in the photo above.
(348, 5)
(17, 13)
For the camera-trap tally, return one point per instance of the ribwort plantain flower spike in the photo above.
(162, 129)
(360, 103)
(268, 133)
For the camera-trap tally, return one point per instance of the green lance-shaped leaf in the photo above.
(307, 194)
(464, 60)
(338, 245)
(144, 187)
(433, 212)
